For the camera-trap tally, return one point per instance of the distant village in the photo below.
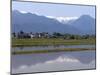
(21, 35)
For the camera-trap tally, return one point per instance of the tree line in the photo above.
(21, 35)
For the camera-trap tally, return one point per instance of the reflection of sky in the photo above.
(54, 9)
(53, 61)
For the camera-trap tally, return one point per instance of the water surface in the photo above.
(53, 61)
(51, 47)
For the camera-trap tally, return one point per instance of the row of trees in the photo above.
(73, 36)
(22, 34)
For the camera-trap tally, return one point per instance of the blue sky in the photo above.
(56, 10)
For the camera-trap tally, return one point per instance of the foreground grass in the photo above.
(50, 41)
(49, 51)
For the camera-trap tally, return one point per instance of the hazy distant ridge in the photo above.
(29, 22)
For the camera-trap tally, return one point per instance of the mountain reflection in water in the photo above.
(53, 61)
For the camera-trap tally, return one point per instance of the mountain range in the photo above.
(29, 22)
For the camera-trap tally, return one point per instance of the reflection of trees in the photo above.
(21, 48)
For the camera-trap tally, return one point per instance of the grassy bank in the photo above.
(54, 41)
(49, 51)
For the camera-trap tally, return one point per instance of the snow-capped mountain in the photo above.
(30, 22)
(23, 12)
(63, 20)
